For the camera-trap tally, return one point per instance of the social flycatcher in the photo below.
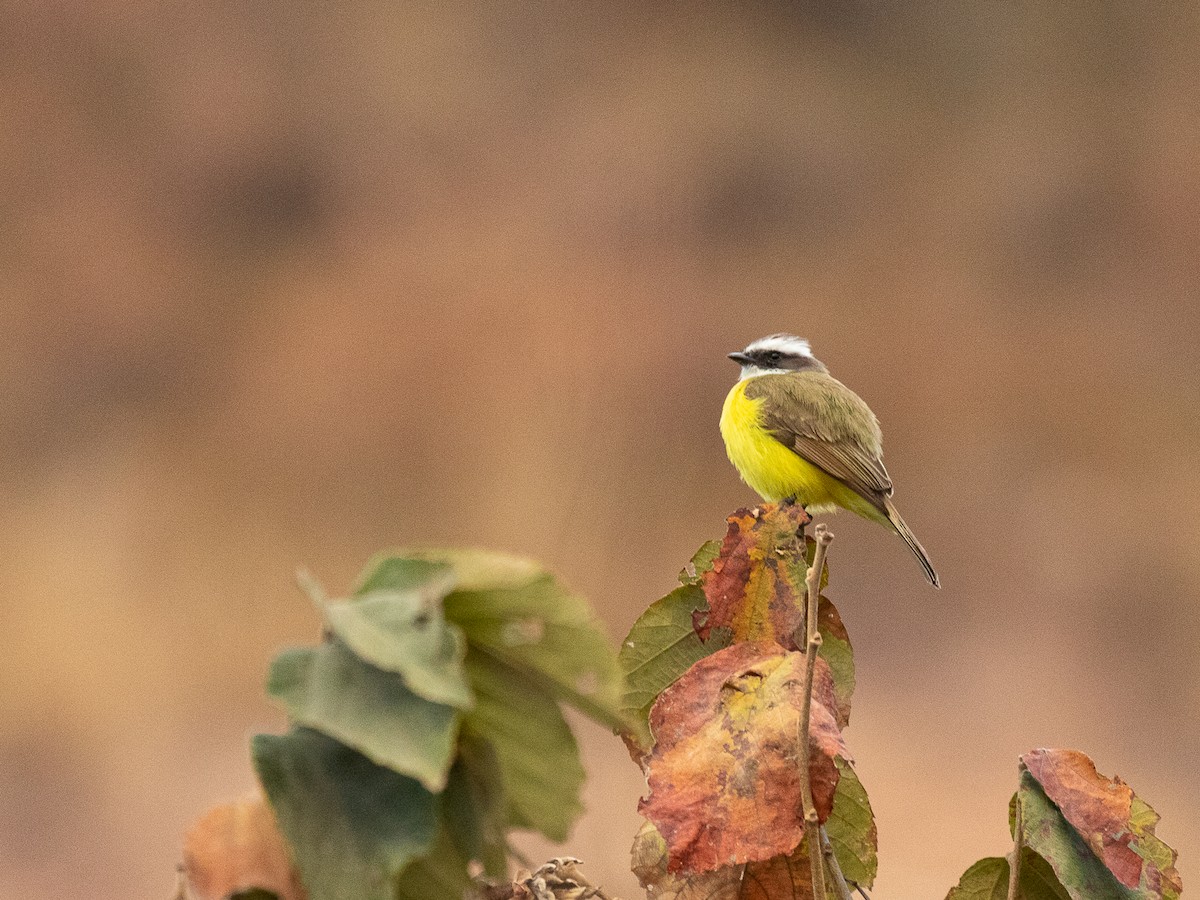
(793, 431)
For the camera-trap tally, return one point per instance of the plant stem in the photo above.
(811, 647)
(835, 870)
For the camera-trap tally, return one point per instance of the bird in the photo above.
(796, 433)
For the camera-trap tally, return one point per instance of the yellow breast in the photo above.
(769, 467)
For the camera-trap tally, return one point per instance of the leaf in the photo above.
(851, 828)
(517, 612)
(988, 880)
(756, 584)
(787, 877)
(430, 579)
(661, 646)
(404, 631)
(471, 821)
(237, 848)
(330, 689)
(353, 826)
(666, 638)
(530, 644)
(1158, 855)
(536, 754)
(1046, 832)
(474, 806)
(442, 873)
(985, 880)
(474, 570)
(724, 786)
(701, 562)
(1101, 811)
(649, 864)
(836, 650)
(779, 878)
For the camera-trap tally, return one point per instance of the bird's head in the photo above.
(776, 354)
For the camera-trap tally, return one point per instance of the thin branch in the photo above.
(1014, 864)
(811, 647)
(835, 869)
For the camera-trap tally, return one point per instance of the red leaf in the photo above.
(723, 775)
(756, 584)
(1101, 810)
(778, 878)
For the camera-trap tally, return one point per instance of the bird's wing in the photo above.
(829, 425)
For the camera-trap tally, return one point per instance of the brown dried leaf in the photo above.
(237, 847)
(1102, 810)
(724, 783)
(756, 584)
(779, 878)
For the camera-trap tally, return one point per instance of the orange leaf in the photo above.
(724, 784)
(236, 847)
(756, 584)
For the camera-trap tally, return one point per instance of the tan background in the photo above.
(285, 283)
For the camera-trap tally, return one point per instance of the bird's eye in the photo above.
(774, 356)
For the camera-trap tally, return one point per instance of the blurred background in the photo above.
(286, 283)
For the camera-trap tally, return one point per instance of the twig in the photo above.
(811, 647)
(835, 869)
(1014, 864)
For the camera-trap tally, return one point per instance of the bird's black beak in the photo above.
(742, 358)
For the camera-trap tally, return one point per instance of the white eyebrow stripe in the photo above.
(784, 343)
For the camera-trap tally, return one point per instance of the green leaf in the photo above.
(353, 826)
(443, 873)
(988, 880)
(851, 828)
(330, 689)
(473, 570)
(660, 647)
(474, 805)
(471, 823)
(701, 562)
(1151, 847)
(403, 574)
(536, 753)
(406, 633)
(836, 650)
(545, 632)
(517, 612)
(1038, 881)
(1077, 868)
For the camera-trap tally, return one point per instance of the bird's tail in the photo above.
(911, 539)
